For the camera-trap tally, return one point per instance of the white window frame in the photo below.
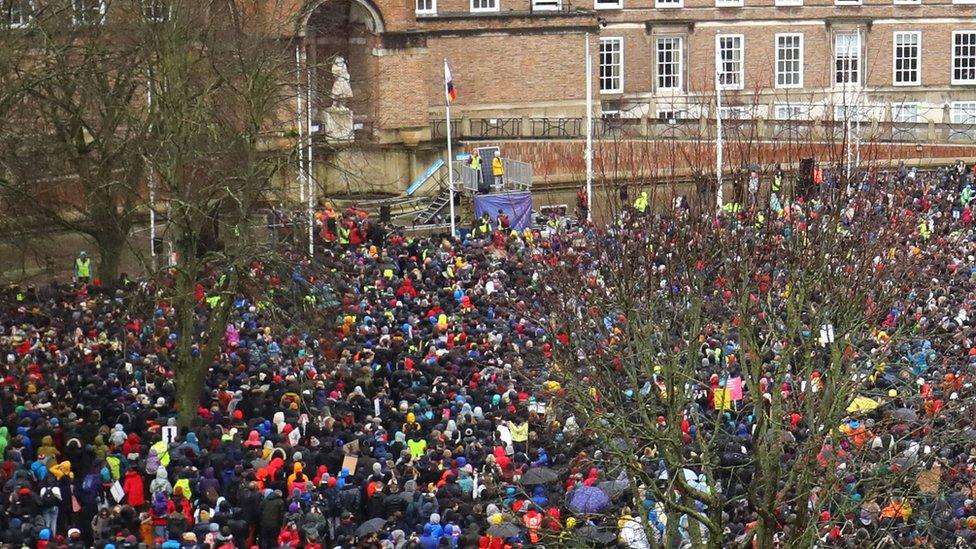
(608, 4)
(678, 61)
(918, 58)
(24, 21)
(898, 110)
(741, 73)
(619, 40)
(799, 60)
(149, 7)
(669, 116)
(962, 112)
(477, 7)
(546, 5)
(860, 113)
(952, 64)
(907, 2)
(964, 1)
(669, 4)
(75, 10)
(788, 3)
(425, 12)
(795, 112)
(859, 56)
(735, 112)
(729, 3)
(848, 2)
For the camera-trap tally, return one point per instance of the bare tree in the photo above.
(74, 100)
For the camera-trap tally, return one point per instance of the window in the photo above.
(669, 3)
(857, 114)
(427, 7)
(670, 116)
(546, 5)
(905, 113)
(608, 4)
(728, 60)
(908, 2)
(789, 60)
(16, 13)
(734, 113)
(611, 65)
(484, 5)
(728, 3)
(791, 112)
(906, 54)
(89, 12)
(847, 58)
(964, 57)
(847, 2)
(963, 112)
(155, 11)
(669, 63)
(788, 3)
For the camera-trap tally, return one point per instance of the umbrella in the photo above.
(371, 526)
(594, 535)
(588, 499)
(259, 463)
(504, 530)
(538, 475)
(903, 414)
(861, 404)
(613, 488)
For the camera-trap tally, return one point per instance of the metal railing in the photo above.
(517, 177)
(692, 128)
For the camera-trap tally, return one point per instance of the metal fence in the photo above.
(691, 128)
(517, 177)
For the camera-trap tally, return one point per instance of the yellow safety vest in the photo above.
(83, 267)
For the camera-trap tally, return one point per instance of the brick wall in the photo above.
(508, 70)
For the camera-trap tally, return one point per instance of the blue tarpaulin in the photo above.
(517, 205)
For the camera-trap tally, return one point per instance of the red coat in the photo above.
(135, 489)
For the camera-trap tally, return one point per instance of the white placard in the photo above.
(117, 492)
(170, 432)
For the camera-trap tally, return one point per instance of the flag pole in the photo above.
(309, 179)
(450, 154)
(589, 130)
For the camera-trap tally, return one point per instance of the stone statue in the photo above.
(341, 90)
(338, 117)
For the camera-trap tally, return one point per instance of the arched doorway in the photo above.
(350, 30)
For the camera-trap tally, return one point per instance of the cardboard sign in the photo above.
(349, 464)
(826, 334)
(351, 448)
(117, 492)
(735, 388)
(170, 432)
(376, 407)
(294, 437)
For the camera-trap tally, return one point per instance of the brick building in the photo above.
(519, 64)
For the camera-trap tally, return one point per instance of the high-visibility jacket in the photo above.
(777, 182)
(496, 167)
(641, 203)
(343, 235)
(83, 268)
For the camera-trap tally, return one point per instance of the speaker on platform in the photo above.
(385, 213)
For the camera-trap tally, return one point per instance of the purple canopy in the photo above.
(588, 499)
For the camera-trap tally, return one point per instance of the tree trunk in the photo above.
(190, 378)
(110, 246)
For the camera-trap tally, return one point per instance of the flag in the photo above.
(449, 92)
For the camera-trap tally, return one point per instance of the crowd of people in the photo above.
(413, 417)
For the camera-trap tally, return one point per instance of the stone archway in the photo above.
(349, 29)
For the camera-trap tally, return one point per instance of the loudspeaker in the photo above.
(385, 213)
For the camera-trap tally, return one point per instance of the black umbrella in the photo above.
(592, 534)
(371, 526)
(503, 530)
(903, 414)
(538, 475)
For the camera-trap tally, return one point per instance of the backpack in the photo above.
(49, 498)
